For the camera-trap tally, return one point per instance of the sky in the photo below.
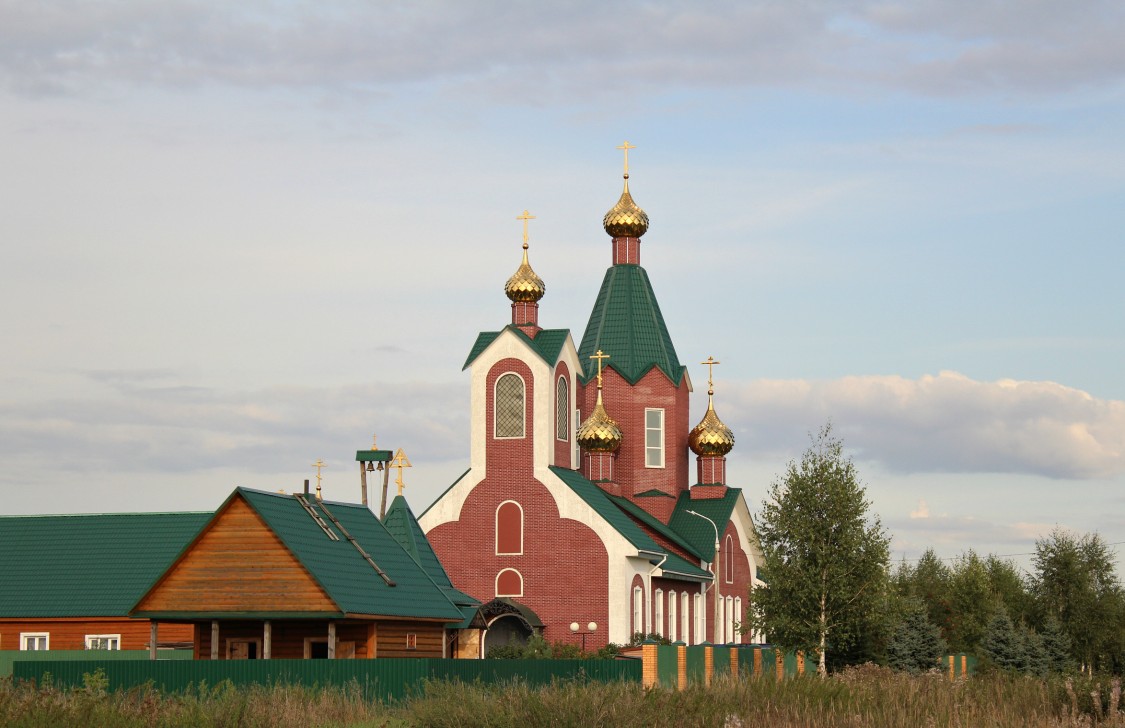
(239, 237)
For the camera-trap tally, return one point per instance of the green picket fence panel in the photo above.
(721, 662)
(9, 657)
(667, 671)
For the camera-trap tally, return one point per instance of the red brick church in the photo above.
(580, 504)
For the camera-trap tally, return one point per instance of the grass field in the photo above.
(865, 696)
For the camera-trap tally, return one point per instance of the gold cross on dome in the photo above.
(525, 217)
(627, 146)
(318, 465)
(400, 461)
(710, 371)
(599, 356)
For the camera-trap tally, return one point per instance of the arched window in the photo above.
(508, 406)
(562, 410)
(509, 528)
(658, 612)
(509, 583)
(638, 610)
(728, 560)
(673, 620)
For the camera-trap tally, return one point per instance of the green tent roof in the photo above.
(547, 343)
(696, 530)
(403, 526)
(626, 324)
(652, 522)
(87, 565)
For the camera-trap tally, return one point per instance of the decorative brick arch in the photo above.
(509, 583)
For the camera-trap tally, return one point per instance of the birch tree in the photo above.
(826, 555)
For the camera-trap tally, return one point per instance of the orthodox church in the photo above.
(579, 510)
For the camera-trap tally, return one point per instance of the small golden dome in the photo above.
(525, 285)
(711, 436)
(625, 220)
(599, 433)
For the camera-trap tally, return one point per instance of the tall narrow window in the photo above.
(509, 406)
(728, 560)
(509, 583)
(658, 612)
(700, 624)
(738, 616)
(638, 610)
(721, 627)
(730, 619)
(673, 622)
(576, 456)
(562, 410)
(654, 438)
(685, 615)
(509, 528)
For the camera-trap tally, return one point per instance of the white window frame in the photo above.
(729, 619)
(673, 615)
(728, 559)
(685, 617)
(562, 409)
(34, 637)
(496, 414)
(496, 584)
(700, 622)
(638, 610)
(496, 530)
(738, 615)
(658, 612)
(576, 451)
(657, 450)
(114, 641)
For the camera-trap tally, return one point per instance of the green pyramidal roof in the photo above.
(87, 565)
(626, 323)
(403, 526)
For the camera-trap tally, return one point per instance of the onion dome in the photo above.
(599, 433)
(711, 436)
(525, 285)
(625, 219)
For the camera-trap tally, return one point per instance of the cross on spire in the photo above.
(627, 146)
(318, 465)
(599, 356)
(710, 372)
(400, 461)
(525, 217)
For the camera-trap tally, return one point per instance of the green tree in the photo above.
(917, 644)
(929, 581)
(972, 603)
(1002, 645)
(1075, 583)
(1009, 588)
(825, 556)
(1056, 646)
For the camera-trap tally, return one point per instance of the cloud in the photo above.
(922, 511)
(947, 423)
(537, 54)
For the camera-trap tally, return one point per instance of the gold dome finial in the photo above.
(626, 219)
(711, 436)
(599, 433)
(525, 286)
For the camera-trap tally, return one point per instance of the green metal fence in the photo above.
(377, 679)
(8, 657)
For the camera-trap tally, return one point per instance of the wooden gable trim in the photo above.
(214, 573)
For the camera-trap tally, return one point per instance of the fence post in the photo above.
(779, 663)
(964, 665)
(951, 667)
(649, 674)
(757, 662)
(800, 662)
(734, 663)
(681, 665)
(708, 663)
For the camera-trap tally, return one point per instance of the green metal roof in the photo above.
(341, 570)
(626, 324)
(370, 456)
(696, 530)
(403, 527)
(654, 523)
(87, 565)
(547, 343)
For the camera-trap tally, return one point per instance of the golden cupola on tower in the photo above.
(525, 285)
(599, 433)
(711, 436)
(626, 219)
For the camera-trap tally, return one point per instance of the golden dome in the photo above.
(625, 219)
(525, 285)
(711, 436)
(599, 433)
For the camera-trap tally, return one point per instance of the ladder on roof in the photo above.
(353, 542)
(316, 517)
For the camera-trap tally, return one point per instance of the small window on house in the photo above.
(509, 406)
(509, 583)
(509, 528)
(685, 621)
(103, 642)
(658, 612)
(562, 410)
(35, 640)
(251, 649)
(672, 616)
(728, 560)
(638, 610)
(654, 438)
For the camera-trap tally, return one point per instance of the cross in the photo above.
(599, 356)
(627, 146)
(400, 462)
(373, 445)
(318, 465)
(710, 370)
(525, 217)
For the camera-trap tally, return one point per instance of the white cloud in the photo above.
(944, 423)
(922, 511)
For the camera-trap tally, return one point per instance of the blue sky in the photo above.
(238, 240)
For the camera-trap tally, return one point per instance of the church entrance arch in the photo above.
(509, 623)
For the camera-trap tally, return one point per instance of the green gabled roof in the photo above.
(626, 324)
(599, 500)
(547, 343)
(403, 527)
(338, 566)
(697, 531)
(675, 564)
(87, 565)
(654, 523)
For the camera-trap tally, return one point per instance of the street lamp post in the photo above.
(590, 629)
(715, 570)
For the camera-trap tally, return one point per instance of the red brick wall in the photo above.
(740, 587)
(626, 250)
